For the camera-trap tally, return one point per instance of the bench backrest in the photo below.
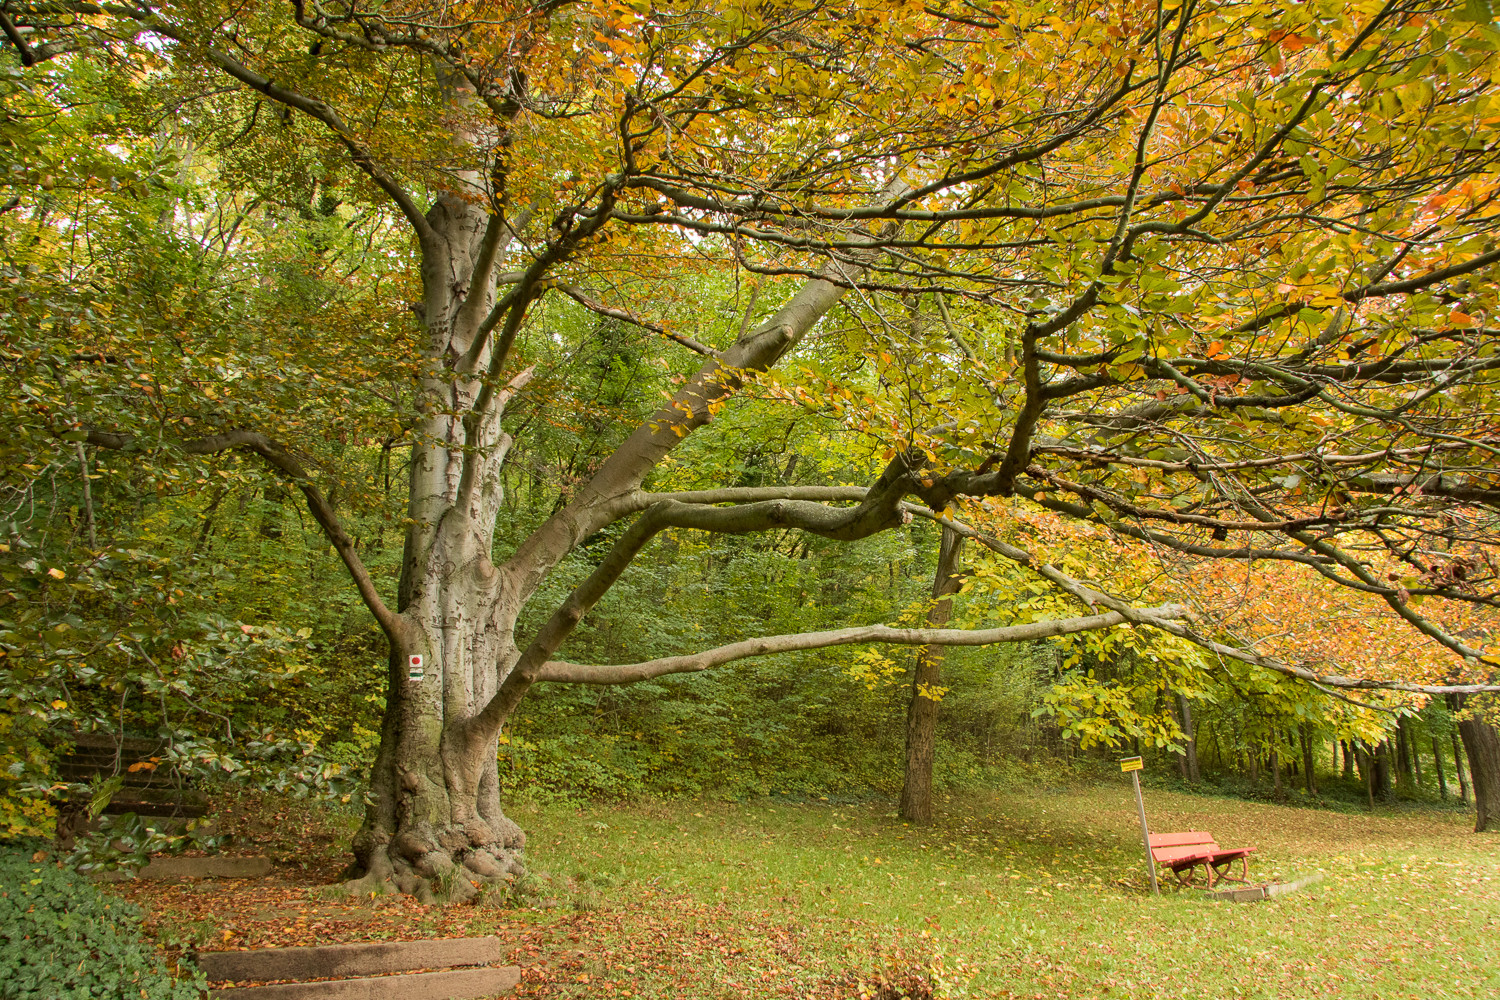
(1181, 839)
(1168, 847)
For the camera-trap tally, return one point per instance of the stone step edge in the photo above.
(361, 958)
(1252, 893)
(452, 984)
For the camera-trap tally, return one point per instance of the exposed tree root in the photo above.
(449, 866)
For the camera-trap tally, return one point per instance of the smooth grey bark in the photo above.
(922, 706)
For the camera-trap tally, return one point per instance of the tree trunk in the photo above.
(1458, 767)
(1276, 773)
(1416, 756)
(1348, 746)
(1383, 771)
(434, 827)
(1403, 756)
(1366, 772)
(922, 707)
(1189, 760)
(1437, 763)
(1307, 760)
(1482, 745)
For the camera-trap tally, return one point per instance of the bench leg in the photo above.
(1224, 876)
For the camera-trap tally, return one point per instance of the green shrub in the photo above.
(63, 939)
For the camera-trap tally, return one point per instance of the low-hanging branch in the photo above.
(280, 458)
(561, 672)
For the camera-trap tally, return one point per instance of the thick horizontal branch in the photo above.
(559, 672)
(639, 500)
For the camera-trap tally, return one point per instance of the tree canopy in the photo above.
(1209, 283)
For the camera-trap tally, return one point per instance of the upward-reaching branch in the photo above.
(690, 408)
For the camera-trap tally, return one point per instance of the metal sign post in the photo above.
(1134, 765)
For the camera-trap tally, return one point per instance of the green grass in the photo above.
(1025, 893)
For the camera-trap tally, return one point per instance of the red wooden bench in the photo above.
(1184, 852)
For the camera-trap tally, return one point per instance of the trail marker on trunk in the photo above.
(1133, 765)
(414, 669)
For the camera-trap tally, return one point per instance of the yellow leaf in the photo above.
(56, 573)
(59, 704)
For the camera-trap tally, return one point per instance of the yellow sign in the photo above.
(1131, 763)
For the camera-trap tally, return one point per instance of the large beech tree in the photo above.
(1216, 275)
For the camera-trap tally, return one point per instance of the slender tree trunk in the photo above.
(1189, 740)
(1403, 755)
(1348, 760)
(1366, 771)
(1307, 760)
(1416, 755)
(1458, 767)
(1482, 745)
(1276, 773)
(1437, 763)
(922, 707)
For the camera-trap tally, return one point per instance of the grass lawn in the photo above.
(1027, 893)
(1022, 893)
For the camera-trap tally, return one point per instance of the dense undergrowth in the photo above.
(62, 938)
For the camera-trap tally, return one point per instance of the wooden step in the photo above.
(144, 746)
(364, 959)
(453, 984)
(164, 795)
(212, 866)
(156, 810)
(159, 778)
